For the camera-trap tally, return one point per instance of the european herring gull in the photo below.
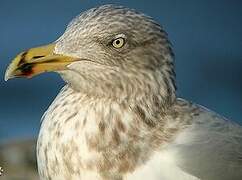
(118, 117)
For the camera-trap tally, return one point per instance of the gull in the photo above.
(118, 116)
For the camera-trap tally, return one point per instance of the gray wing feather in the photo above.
(210, 148)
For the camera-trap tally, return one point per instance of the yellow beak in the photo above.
(37, 60)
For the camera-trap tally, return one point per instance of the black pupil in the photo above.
(117, 41)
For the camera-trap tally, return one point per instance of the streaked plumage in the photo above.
(118, 117)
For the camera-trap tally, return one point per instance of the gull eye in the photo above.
(118, 43)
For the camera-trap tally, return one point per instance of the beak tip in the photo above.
(8, 74)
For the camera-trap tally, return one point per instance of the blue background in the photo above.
(206, 35)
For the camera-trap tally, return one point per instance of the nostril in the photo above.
(36, 57)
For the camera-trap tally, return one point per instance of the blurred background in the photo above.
(207, 41)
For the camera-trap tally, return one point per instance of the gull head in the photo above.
(106, 51)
